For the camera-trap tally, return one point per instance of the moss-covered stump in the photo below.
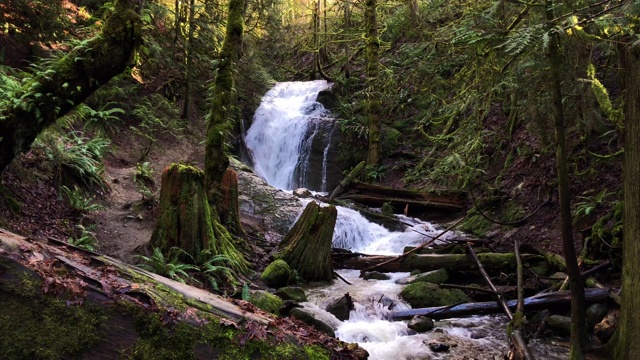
(307, 246)
(186, 220)
(229, 210)
(51, 312)
(266, 301)
(277, 274)
(423, 294)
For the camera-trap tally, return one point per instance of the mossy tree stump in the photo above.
(307, 246)
(186, 220)
(229, 208)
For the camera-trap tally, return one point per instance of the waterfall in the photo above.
(282, 135)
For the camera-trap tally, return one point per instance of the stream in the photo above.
(281, 139)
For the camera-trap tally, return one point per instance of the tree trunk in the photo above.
(61, 303)
(629, 328)
(186, 220)
(69, 81)
(307, 246)
(220, 121)
(578, 326)
(353, 174)
(373, 54)
(428, 262)
(188, 73)
(230, 214)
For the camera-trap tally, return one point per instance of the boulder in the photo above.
(421, 324)
(374, 275)
(302, 193)
(424, 294)
(435, 277)
(273, 210)
(307, 318)
(292, 293)
(559, 325)
(341, 308)
(277, 274)
(266, 301)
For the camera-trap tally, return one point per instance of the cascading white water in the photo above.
(277, 141)
(279, 127)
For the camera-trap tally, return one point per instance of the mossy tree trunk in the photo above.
(220, 120)
(629, 330)
(69, 81)
(230, 212)
(578, 326)
(373, 95)
(307, 246)
(186, 220)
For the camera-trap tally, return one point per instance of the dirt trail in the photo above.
(127, 222)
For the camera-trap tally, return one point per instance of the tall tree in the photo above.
(628, 347)
(578, 326)
(51, 94)
(373, 97)
(220, 120)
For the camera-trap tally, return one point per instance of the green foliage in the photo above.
(216, 269)
(86, 239)
(104, 119)
(169, 266)
(79, 201)
(74, 159)
(29, 20)
(588, 204)
(158, 118)
(375, 172)
(143, 179)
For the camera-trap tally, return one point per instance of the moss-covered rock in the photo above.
(277, 274)
(423, 294)
(292, 293)
(435, 277)
(266, 301)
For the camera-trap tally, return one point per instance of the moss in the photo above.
(423, 294)
(35, 326)
(292, 293)
(266, 301)
(476, 224)
(277, 274)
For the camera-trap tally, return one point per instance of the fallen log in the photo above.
(560, 299)
(428, 262)
(415, 202)
(62, 303)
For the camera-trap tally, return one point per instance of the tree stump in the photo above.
(229, 208)
(307, 246)
(186, 220)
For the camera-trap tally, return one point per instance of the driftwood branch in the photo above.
(555, 300)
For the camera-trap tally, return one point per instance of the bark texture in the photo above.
(307, 246)
(578, 326)
(629, 328)
(69, 81)
(220, 121)
(186, 220)
(230, 209)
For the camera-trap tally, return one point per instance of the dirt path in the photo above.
(127, 222)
